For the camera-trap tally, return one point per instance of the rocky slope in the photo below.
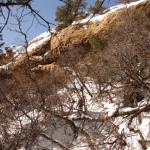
(118, 28)
(91, 78)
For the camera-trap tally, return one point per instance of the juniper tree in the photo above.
(98, 7)
(66, 14)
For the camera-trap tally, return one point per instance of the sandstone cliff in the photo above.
(84, 87)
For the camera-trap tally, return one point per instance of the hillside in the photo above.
(86, 87)
(116, 22)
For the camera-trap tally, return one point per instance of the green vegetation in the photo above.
(67, 13)
(97, 42)
(97, 8)
(73, 9)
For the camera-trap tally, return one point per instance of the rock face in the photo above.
(68, 76)
(119, 30)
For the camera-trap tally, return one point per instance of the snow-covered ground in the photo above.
(104, 106)
(38, 41)
(62, 132)
(107, 12)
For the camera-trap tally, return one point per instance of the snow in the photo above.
(45, 54)
(38, 41)
(110, 108)
(5, 67)
(132, 138)
(72, 116)
(99, 18)
(64, 133)
(80, 143)
(44, 35)
(145, 126)
(92, 105)
(33, 44)
(128, 109)
(41, 36)
(18, 49)
(123, 127)
(90, 18)
(114, 8)
(24, 120)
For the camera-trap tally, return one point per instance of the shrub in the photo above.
(97, 42)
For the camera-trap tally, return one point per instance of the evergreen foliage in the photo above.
(66, 14)
(97, 8)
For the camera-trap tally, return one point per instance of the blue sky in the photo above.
(46, 9)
